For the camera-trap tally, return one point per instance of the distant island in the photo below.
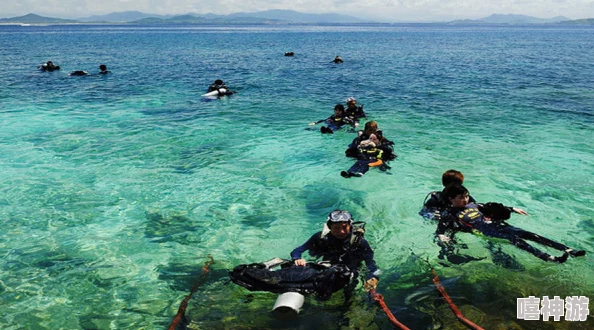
(135, 17)
(511, 19)
(273, 17)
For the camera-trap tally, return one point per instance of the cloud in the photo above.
(395, 10)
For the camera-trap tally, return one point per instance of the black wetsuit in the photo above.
(221, 88)
(339, 251)
(369, 156)
(386, 146)
(335, 122)
(356, 112)
(216, 87)
(470, 218)
(79, 73)
(49, 67)
(434, 201)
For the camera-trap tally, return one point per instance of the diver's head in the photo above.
(370, 127)
(103, 67)
(218, 82)
(340, 223)
(457, 195)
(452, 177)
(339, 109)
(351, 101)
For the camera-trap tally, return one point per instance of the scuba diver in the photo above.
(335, 121)
(78, 73)
(489, 219)
(219, 86)
(341, 246)
(370, 154)
(48, 66)
(435, 203)
(354, 111)
(341, 242)
(103, 69)
(386, 145)
(370, 128)
(337, 60)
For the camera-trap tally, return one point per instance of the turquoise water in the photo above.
(116, 188)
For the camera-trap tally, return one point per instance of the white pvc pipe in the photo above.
(287, 305)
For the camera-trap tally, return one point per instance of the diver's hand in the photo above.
(300, 262)
(312, 124)
(436, 215)
(519, 211)
(444, 238)
(370, 284)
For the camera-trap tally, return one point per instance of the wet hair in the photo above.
(102, 67)
(370, 128)
(454, 190)
(380, 135)
(339, 107)
(218, 82)
(450, 177)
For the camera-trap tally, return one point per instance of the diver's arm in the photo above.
(430, 213)
(369, 261)
(442, 226)
(298, 251)
(518, 210)
(317, 122)
(331, 118)
(430, 208)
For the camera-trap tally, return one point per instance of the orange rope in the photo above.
(454, 308)
(380, 301)
(184, 304)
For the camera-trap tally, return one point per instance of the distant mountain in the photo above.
(193, 19)
(181, 19)
(511, 19)
(585, 21)
(272, 17)
(262, 17)
(119, 17)
(521, 19)
(297, 17)
(36, 19)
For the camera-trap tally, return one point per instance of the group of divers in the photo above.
(340, 248)
(49, 66)
(338, 251)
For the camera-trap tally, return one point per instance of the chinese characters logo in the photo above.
(573, 308)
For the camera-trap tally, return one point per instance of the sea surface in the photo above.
(115, 189)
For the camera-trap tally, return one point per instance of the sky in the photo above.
(383, 10)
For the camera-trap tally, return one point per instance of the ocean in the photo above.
(117, 188)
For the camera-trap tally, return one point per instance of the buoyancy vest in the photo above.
(335, 252)
(320, 279)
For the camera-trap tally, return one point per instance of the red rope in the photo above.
(184, 304)
(380, 301)
(454, 308)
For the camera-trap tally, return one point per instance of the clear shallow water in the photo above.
(116, 188)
